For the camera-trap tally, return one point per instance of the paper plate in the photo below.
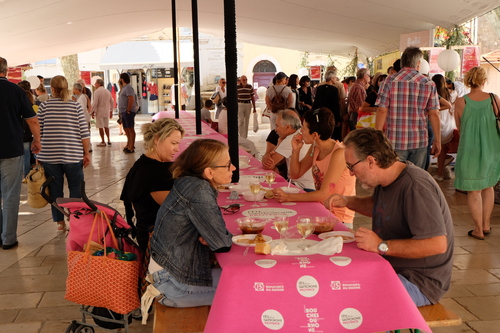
(346, 235)
(249, 236)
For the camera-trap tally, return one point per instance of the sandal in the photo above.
(61, 226)
(487, 232)
(102, 144)
(474, 236)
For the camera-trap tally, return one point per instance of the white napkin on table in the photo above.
(328, 247)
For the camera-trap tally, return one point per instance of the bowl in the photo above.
(287, 189)
(248, 196)
(251, 225)
(323, 224)
(244, 162)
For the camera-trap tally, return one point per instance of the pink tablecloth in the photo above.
(354, 290)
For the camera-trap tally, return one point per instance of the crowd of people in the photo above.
(315, 134)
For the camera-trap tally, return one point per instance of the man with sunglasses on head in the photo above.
(411, 221)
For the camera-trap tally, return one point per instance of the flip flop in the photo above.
(487, 232)
(474, 236)
(102, 144)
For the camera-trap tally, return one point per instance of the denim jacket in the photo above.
(189, 211)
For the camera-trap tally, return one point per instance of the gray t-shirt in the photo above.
(414, 207)
(126, 91)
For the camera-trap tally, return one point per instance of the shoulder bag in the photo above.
(496, 111)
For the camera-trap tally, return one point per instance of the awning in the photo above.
(146, 54)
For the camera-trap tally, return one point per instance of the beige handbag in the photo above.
(34, 180)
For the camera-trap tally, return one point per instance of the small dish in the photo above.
(246, 240)
(248, 196)
(287, 189)
(251, 225)
(347, 236)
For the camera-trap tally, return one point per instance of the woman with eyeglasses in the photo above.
(326, 158)
(189, 228)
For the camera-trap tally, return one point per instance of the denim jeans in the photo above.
(179, 295)
(10, 191)
(27, 158)
(416, 156)
(429, 147)
(416, 295)
(74, 175)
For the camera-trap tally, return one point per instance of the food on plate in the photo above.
(259, 238)
(223, 187)
(262, 248)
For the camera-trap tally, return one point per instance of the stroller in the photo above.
(82, 215)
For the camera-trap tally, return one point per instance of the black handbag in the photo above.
(496, 111)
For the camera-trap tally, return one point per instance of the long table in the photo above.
(353, 290)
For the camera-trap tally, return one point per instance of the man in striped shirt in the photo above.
(245, 97)
(406, 101)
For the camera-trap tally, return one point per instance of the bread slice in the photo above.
(262, 248)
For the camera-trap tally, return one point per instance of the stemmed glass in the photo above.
(281, 225)
(270, 176)
(255, 189)
(305, 228)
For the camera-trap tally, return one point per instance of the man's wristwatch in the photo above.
(383, 248)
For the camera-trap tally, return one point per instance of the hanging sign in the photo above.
(470, 58)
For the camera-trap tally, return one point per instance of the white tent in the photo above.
(32, 30)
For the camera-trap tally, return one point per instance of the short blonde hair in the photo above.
(59, 87)
(160, 129)
(475, 77)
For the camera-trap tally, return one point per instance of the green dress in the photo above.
(478, 157)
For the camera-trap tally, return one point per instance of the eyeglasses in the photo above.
(231, 209)
(350, 167)
(228, 166)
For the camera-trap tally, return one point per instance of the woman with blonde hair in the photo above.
(477, 168)
(149, 180)
(189, 228)
(60, 117)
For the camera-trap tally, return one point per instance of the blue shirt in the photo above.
(190, 211)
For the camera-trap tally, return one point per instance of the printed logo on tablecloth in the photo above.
(307, 286)
(272, 319)
(266, 263)
(350, 318)
(346, 285)
(271, 287)
(313, 320)
(304, 262)
(269, 212)
(341, 261)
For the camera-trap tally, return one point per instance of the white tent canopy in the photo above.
(33, 30)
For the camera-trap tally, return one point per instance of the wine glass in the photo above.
(270, 176)
(281, 225)
(255, 189)
(305, 228)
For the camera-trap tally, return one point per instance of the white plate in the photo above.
(249, 236)
(222, 190)
(326, 235)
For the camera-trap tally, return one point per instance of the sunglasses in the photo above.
(231, 209)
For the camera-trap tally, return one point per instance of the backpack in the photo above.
(278, 102)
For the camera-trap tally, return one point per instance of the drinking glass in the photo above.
(270, 176)
(255, 189)
(281, 225)
(305, 228)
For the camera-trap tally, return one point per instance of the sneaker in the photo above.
(438, 178)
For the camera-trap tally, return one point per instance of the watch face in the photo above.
(383, 247)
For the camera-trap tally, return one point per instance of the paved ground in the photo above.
(32, 276)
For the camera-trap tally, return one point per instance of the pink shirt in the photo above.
(345, 186)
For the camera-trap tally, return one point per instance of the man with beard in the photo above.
(411, 220)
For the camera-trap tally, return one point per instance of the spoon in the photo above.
(246, 251)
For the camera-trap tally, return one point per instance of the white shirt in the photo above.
(285, 150)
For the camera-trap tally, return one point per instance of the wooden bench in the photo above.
(179, 320)
(438, 315)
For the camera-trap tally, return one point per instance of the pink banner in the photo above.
(470, 58)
